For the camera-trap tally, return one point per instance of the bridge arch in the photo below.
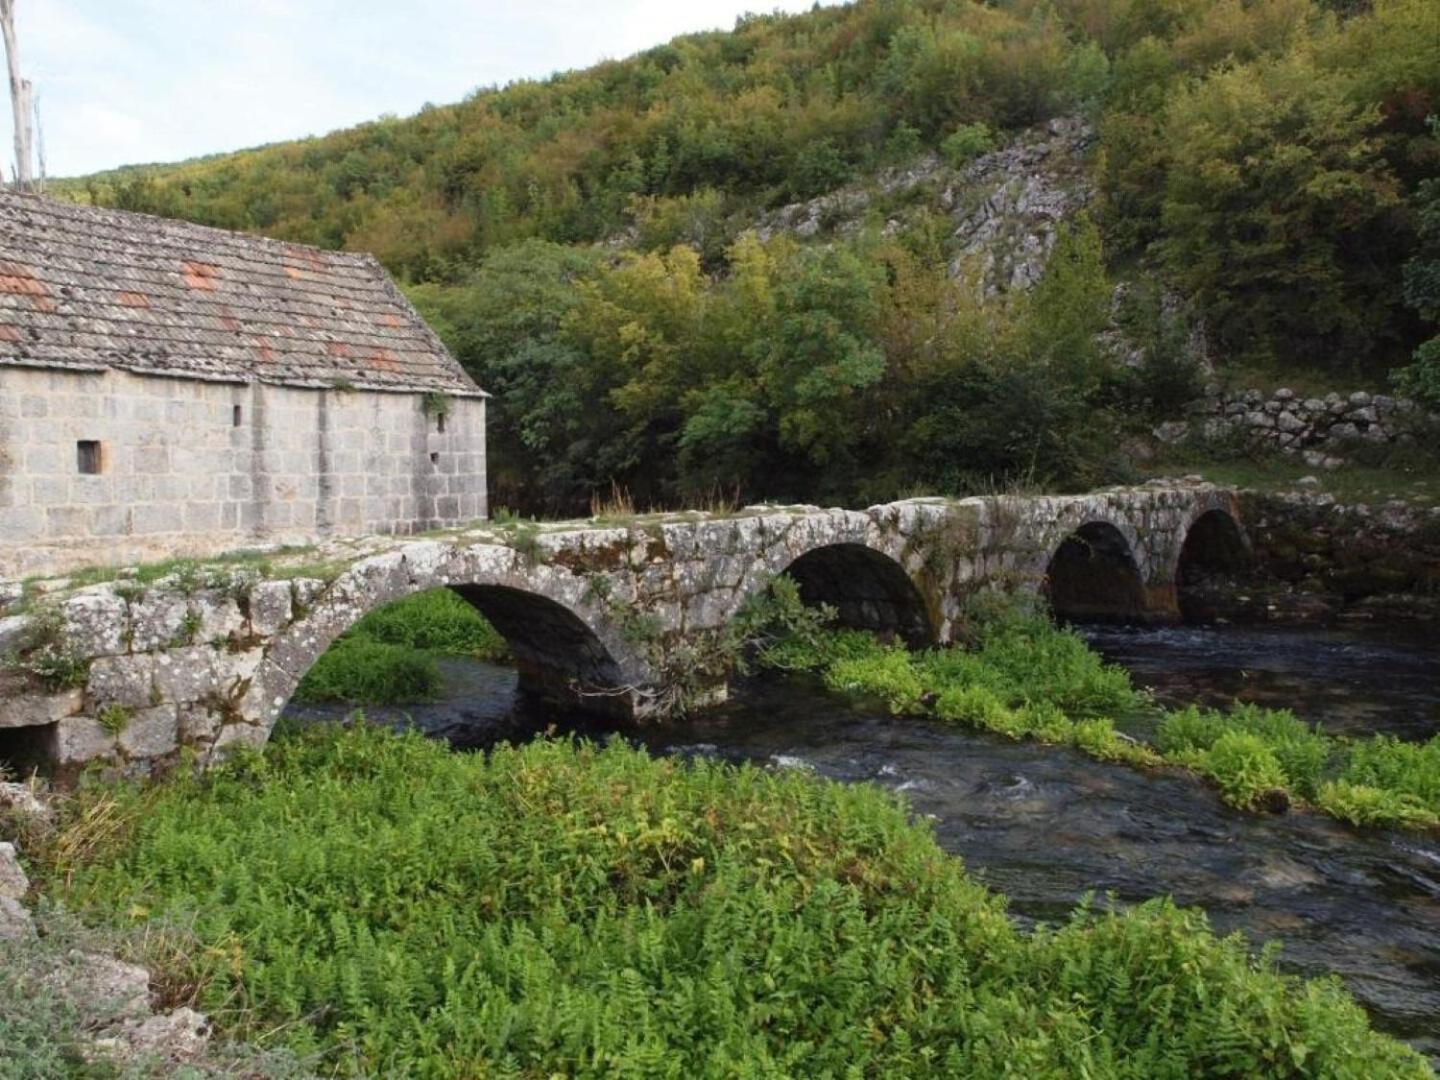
(1094, 574)
(565, 642)
(1213, 545)
(868, 588)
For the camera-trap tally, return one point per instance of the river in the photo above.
(1045, 825)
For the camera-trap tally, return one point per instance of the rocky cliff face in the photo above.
(1005, 208)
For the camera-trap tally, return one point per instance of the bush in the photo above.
(1363, 804)
(1406, 768)
(1244, 767)
(966, 143)
(561, 909)
(1303, 753)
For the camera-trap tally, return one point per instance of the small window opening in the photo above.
(435, 459)
(440, 423)
(236, 415)
(87, 456)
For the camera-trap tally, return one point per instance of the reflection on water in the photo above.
(1045, 825)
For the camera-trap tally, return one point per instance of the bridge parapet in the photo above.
(206, 656)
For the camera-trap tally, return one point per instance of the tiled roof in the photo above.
(87, 288)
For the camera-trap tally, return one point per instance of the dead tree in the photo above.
(19, 96)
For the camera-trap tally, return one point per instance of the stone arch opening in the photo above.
(869, 590)
(556, 654)
(1093, 577)
(1214, 552)
(24, 750)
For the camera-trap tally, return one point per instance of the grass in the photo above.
(1413, 478)
(560, 909)
(1027, 679)
(388, 657)
(51, 1015)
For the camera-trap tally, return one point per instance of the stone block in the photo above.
(13, 882)
(126, 681)
(14, 630)
(219, 615)
(150, 733)
(185, 674)
(269, 606)
(36, 710)
(95, 622)
(81, 738)
(157, 619)
(197, 724)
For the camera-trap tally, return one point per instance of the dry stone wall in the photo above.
(1321, 430)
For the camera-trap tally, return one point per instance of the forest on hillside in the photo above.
(585, 243)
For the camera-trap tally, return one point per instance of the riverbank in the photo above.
(563, 908)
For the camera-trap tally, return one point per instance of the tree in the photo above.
(1277, 211)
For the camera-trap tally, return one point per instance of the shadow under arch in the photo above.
(557, 655)
(1093, 577)
(1215, 549)
(868, 589)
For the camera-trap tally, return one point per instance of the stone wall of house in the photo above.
(1319, 429)
(189, 467)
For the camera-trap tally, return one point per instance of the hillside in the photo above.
(796, 259)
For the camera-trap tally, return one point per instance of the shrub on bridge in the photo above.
(561, 909)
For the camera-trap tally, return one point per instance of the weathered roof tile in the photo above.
(84, 287)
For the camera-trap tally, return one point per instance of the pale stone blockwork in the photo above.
(194, 467)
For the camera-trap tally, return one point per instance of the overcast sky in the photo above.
(128, 81)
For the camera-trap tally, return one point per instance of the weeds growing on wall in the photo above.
(560, 909)
(1023, 677)
(388, 657)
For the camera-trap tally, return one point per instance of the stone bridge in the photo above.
(139, 668)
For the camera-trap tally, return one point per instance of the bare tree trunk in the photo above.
(19, 95)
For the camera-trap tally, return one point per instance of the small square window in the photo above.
(435, 459)
(236, 416)
(87, 456)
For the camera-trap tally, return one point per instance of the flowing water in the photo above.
(1045, 825)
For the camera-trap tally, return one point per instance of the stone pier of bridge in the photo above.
(139, 669)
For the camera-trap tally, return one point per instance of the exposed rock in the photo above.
(24, 799)
(113, 991)
(15, 921)
(1006, 206)
(172, 1038)
(13, 882)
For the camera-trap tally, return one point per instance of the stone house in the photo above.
(168, 389)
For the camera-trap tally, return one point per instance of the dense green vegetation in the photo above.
(1025, 678)
(388, 657)
(563, 909)
(1268, 159)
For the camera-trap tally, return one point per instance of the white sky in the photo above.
(129, 81)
